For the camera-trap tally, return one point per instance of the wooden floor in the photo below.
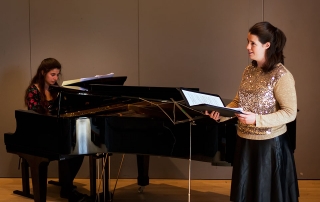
(158, 190)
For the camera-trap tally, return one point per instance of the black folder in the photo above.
(196, 98)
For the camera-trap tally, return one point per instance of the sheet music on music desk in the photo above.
(65, 83)
(97, 77)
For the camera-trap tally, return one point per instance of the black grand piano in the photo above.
(110, 119)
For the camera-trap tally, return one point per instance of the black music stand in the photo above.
(191, 116)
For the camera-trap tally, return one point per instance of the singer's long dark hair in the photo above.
(266, 32)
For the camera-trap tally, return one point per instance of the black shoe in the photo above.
(64, 193)
(76, 196)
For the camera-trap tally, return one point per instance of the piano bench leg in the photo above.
(24, 194)
(39, 171)
(25, 180)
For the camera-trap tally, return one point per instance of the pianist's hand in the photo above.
(214, 115)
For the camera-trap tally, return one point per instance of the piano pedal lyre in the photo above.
(104, 177)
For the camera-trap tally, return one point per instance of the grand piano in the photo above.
(106, 119)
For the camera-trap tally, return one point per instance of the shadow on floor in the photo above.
(164, 192)
(151, 193)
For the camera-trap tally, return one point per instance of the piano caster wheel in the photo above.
(140, 190)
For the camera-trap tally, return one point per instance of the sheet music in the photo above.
(76, 88)
(97, 76)
(199, 98)
(68, 82)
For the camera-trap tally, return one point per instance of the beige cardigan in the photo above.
(271, 96)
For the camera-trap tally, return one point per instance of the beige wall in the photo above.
(194, 43)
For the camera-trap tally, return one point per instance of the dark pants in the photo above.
(68, 170)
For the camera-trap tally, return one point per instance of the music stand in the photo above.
(182, 108)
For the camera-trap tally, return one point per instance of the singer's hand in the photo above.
(247, 118)
(214, 115)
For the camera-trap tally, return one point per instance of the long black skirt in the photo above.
(264, 171)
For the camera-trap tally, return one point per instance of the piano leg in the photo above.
(93, 172)
(143, 171)
(106, 179)
(93, 175)
(143, 175)
(39, 171)
(25, 180)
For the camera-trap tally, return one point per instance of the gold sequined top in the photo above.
(271, 96)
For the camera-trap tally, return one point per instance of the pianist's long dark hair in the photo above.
(46, 66)
(266, 32)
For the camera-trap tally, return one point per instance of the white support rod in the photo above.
(189, 185)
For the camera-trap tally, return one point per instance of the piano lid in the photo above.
(76, 97)
(71, 100)
(153, 102)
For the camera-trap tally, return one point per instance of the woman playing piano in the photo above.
(263, 167)
(39, 98)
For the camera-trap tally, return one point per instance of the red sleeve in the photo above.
(33, 98)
